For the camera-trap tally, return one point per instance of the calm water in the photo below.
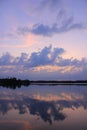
(43, 108)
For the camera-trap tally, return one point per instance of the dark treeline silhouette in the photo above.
(63, 82)
(13, 82)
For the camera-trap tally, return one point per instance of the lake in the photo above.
(44, 107)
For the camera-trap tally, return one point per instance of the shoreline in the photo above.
(58, 83)
(19, 82)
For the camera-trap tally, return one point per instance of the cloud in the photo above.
(45, 57)
(54, 19)
(6, 59)
(45, 30)
(71, 61)
(21, 60)
(48, 62)
(54, 13)
(51, 4)
(57, 28)
(60, 22)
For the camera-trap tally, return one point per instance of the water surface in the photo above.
(44, 107)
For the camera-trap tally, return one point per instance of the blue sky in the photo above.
(43, 39)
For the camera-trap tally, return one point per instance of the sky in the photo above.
(43, 39)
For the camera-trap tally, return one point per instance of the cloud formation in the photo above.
(61, 21)
(47, 30)
(47, 56)
(48, 62)
(51, 4)
(6, 59)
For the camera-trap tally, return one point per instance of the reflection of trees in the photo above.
(48, 111)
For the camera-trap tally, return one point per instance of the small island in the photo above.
(13, 82)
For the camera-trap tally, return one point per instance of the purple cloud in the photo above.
(47, 30)
(47, 56)
(25, 65)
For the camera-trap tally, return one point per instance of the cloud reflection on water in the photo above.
(46, 105)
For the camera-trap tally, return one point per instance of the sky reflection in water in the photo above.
(43, 107)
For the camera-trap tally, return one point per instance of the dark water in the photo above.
(43, 108)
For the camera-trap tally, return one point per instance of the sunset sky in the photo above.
(43, 39)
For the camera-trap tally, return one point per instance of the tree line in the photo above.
(14, 82)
